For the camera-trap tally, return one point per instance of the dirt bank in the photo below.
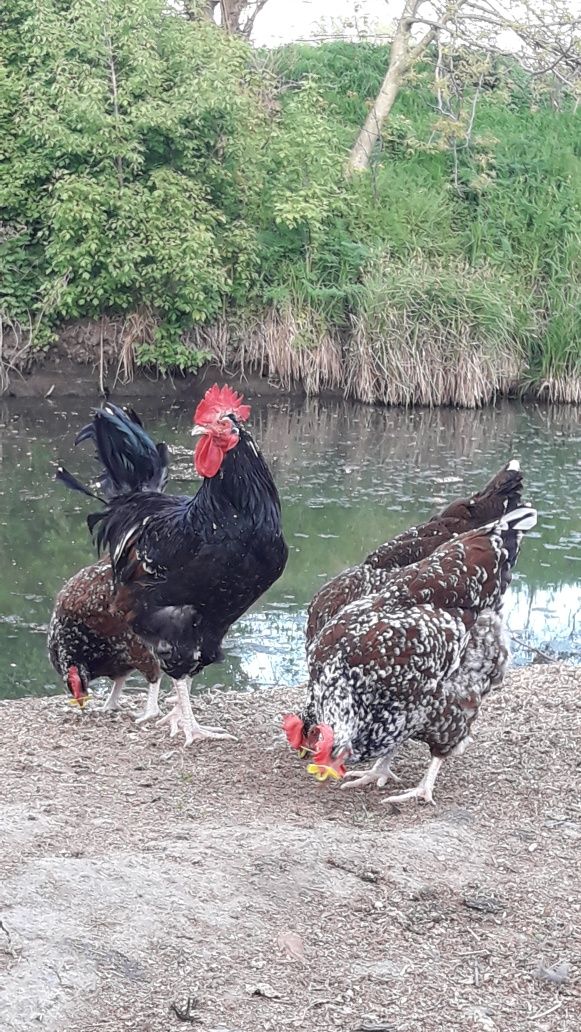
(270, 356)
(62, 377)
(135, 874)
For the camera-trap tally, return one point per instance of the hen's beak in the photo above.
(324, 771)
(80, 702)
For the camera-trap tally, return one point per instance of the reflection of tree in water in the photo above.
(548, 620)
(350, 477)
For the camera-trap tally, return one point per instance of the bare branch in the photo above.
(547, 42)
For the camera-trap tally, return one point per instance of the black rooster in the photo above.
(185, 569)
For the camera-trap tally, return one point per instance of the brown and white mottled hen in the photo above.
(412, 661)
(500, 495)
(87, 639)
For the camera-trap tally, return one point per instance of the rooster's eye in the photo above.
(229, 422)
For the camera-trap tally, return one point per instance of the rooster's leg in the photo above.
(112, 702)
(380, 773)
(181, 717)
(425, 788)
(152, 704)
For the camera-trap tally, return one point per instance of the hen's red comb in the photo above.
(293, 728)
(220, 401)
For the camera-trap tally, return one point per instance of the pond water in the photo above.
(350, 478)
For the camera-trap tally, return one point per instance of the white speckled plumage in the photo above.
(415, 659)
(85, 632)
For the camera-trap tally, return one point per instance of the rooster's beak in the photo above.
(198, 430)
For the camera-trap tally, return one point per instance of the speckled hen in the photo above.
(86, 639)
(500, 495)
(412, 661)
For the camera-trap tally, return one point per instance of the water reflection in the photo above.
(350, 477)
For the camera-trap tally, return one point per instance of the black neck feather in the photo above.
(244, 485)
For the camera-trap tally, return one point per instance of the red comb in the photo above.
(220, 401)
(293, 728)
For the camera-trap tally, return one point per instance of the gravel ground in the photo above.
(136, 875)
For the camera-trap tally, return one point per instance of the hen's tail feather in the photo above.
(500, 495)
(524, 518)
(511, 527)
(505, 488)
(74, 484)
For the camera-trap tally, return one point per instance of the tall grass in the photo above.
(434, 334)
(209, 212)
(457, 294)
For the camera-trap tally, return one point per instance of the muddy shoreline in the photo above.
(60, 377)
(136, 874)
(65, 372)
(63, 377)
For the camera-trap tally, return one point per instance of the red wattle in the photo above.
(324, 745)
(208, 456)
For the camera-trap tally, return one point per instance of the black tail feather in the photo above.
(132, 461)
(93, 521)
(74, 484)
(86, 433)
(507, 485)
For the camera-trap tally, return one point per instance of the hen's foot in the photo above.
(181, 718)
(111, 704)
(425, 788)
(152, 709)
(379, 774)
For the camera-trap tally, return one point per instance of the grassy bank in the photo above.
(179, 195)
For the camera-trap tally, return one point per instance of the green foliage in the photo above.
(500, 207)
(169, 350)
(127, 130)
(157, 164)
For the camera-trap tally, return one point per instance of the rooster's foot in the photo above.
(193, 732)
(181, 718)
(152, 709)
(380, 773)
(425, 788)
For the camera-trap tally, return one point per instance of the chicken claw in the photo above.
(181, 718)
(424, 789)
(380, 773)
(193, 731)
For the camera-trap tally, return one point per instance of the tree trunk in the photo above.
(360, 155)
(402, 57)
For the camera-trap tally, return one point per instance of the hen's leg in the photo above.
(380, 773)
(112, 702)
(181, 717)
(152, 704)
(425, 788)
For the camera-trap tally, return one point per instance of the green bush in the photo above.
(127, 131)
(159, 170)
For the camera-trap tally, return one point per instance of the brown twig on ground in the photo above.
(186, 1013)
